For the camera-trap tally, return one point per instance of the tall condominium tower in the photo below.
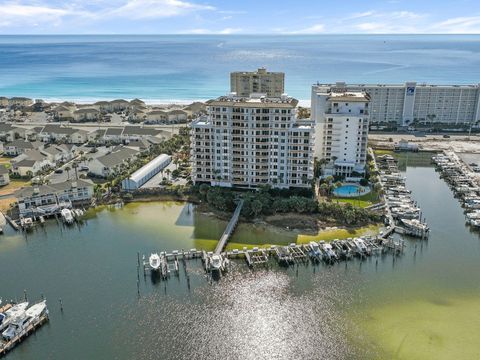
(252, 141)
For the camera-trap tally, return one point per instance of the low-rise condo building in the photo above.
(244, 83)
(405, 104)
(341, 130)
(252, 141)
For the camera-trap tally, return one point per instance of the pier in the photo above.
(229, 229)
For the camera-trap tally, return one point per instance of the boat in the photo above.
(315, 251)
(36, 310)
(26, 223)
(154, 261)
(67, 216)
(361, 247)
(16, 326)
(328, 252)
(12, 314)
(216, 263)
(42, 219)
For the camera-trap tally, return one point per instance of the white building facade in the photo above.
(252, 141)
(341, 130)
(405, 104)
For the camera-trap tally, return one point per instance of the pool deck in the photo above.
(351, 194)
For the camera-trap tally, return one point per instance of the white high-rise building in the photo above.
(251, 141)
(341, 130)
(404, 104)
(244, 83)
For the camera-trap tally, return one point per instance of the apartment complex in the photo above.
(251, 141)
(260, 81)
(341, 130)
(407, 103)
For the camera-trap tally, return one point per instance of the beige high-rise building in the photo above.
(261, 81)
(252, 141)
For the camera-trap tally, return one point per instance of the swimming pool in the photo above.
(351, 190)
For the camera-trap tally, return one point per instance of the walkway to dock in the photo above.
(229, 229)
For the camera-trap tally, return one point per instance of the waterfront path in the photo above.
(229, 229)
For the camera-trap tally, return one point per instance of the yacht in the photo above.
(36, 310)
(154, 261)
(11, 314)
(67, 216)
(16, 326)
(328, 251)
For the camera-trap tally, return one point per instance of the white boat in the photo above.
(154, 261)
(17, 309)
(216, 262)
(36, 310)
(361, 246)
(16, 326)
(67, 216)
(328, 251)
(315, 251)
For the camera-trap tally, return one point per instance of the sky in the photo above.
(239, 17)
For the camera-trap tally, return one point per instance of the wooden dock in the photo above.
(229, 229)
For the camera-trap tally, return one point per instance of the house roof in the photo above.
(40, 190)
(25, 163)
(117, 157)
(3, 170)
(52, 150)
(57, 129)
(34, 155)
(86, 111)
(6, 127)
(137, 130)
(114, 131)
(20, 144)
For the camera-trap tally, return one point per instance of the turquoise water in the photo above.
(350, 190)
(192, 67)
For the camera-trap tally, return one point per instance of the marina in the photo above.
(403, 214)
(463, 182)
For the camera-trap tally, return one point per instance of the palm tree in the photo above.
(67, 169)
(168, 171)
(75, 166)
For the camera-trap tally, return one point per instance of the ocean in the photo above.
(182, 68)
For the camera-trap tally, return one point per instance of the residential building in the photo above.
(244, 83)
(252, 141)
(109, 164)
(86, 114)
(17, 147)
(62, 112)
(4, 176)
(48, 199)
(341, 130)
(8, 132)
(177, 116)
(157, 116)
(404, 104)
(146, 172)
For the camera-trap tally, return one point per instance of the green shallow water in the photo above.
(423, 305)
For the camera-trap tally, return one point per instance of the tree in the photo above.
(75, 166)
(67, 169)
(168, 171)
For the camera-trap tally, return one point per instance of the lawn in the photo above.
(360, 201)
(378, 152)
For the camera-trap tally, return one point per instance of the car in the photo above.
(83, 168)
(59, 171)
(446, 136)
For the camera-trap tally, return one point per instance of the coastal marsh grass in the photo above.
(339, 233)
